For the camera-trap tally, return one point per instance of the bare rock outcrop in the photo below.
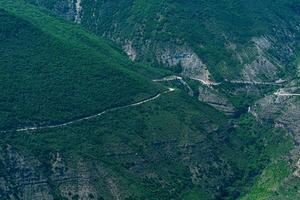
(282, 110)
(209, 96)
(192, 65)
(25, 177)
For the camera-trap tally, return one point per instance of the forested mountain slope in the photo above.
(204, 42)
(79, 120)
(230, 38)
(55, 71)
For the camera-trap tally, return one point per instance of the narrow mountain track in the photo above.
(253, 83)
(69, 123)
(211, 83)
(176, 78)
(287, 94)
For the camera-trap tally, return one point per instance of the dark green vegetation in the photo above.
(175, 147)
(152, 149)
(54, 71)
(220, 32)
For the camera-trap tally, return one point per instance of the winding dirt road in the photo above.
(169, 78)
(211, 83)
(283, 93)
(176, 78)
(252, 83)
(35, 128)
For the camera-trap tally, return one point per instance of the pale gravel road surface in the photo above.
(34, 128)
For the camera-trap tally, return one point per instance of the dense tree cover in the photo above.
(49, 78)
(165, 138)
(210, 28)
(173, 148)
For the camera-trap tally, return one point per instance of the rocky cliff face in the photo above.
(258, 60)
(282, 108)
(27, 178)
(155, 38)
(22, 177)
(192, 66)
(210, 96)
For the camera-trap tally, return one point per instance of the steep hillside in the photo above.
(206, 43)
(54, 72)
(229, 38)
(79, 120)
